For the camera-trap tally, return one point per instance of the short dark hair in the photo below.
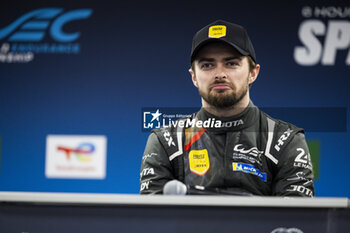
(252, 65)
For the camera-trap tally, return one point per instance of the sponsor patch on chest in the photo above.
(251, 154)
(199, 161)
(248, 168)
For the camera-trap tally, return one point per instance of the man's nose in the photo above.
(220, 73)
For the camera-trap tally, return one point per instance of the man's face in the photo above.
(221, 75)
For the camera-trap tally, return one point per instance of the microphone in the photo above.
(175, 187)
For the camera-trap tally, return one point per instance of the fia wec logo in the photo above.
(25, 37)
(31, 27)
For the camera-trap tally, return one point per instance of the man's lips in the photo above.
(220, 87)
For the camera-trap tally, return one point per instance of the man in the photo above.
(245, 151)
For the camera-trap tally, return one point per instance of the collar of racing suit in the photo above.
(235, 123)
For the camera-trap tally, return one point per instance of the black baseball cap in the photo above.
(220, 30)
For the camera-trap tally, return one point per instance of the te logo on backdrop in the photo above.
(75, 156)
(324, 35)
(40, 31)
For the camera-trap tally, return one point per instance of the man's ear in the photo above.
(194, 78)
(254, 74)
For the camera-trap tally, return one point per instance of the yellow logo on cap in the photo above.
(217, 31)
(199, 161)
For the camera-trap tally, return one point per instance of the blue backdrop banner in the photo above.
(92, 70)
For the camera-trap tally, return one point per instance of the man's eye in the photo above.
(231, 63)
(206, 65)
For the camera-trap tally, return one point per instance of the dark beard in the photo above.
(223, 99)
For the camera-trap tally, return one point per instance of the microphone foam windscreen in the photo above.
(174, 187)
